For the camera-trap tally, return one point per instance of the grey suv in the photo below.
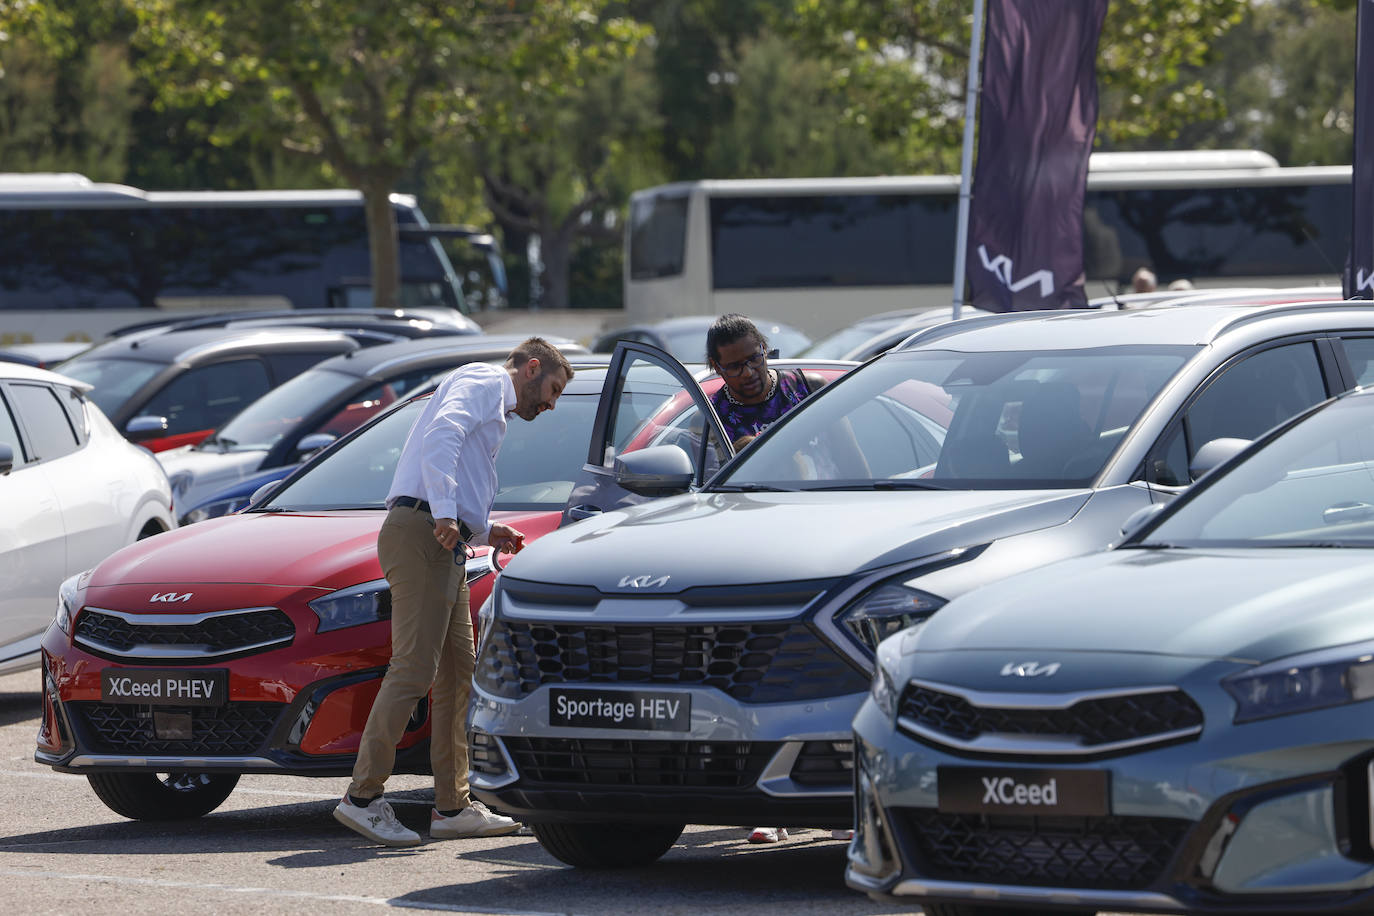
(699, 659)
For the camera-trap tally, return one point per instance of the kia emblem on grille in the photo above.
(643, 581)
(171, 596)
(1029, 669)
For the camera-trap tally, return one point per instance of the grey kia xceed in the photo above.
(1181, 723)
(699, 658)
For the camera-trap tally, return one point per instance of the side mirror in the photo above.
(141, 429)
(6, 458)
(312, 443)
(1137, 519)
(261, 491)
(1214, 453)
(662, 470)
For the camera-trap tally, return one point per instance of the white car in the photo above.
(73, 490)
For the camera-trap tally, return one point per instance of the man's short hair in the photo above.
(727, 329)
(549, 356)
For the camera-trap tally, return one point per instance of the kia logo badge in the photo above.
(643, 581)
(1029, 669)
(170, 596)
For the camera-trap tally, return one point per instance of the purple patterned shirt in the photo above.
(752, 419)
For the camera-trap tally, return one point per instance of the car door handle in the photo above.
(578, 513)
(1347, 512)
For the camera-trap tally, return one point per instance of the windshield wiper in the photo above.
(223, 443)
(1156, 545)
(747, 488)
(880, 485)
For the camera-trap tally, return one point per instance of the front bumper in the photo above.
(787, 764)
(1272, 816)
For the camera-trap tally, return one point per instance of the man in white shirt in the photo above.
(439, 503)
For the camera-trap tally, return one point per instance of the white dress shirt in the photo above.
(449, 459)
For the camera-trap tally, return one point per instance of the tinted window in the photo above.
(832, 240)
(146, 256)
(1249, 398)
(366, 404)
(206, 396)
(1217, 232)
(1360, 352)
(45, 420)
(658, 232)
(113, 381)
(9, 434)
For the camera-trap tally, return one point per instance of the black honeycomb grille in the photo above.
(633, 763)
(221, 634)
(1107, 853)
(1095, 721)
(235, 729)
(752, 662)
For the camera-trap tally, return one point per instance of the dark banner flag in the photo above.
(1359, 272)
(1036, 129)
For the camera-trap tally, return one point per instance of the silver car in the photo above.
(1180, 723)
(699, 659)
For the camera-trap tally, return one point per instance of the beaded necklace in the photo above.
(772, 386)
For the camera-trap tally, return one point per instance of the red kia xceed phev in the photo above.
(255, 643)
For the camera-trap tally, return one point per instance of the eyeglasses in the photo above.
(734, 370)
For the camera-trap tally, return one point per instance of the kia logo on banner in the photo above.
(1359, 271)
(1038, 121)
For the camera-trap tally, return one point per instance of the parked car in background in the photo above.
(1178, 724)
(73, 491)
(169, 389)
(44, 355)
(306, 413)
(891, 336)
(379, 324)
(685, 337)
(628, 686)
(284, 611)
(843, 340)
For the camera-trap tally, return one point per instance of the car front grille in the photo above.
(1097, 722)
(634, 763)
(168, 639)
(1107, 853)
(234, 729)
(752, 662)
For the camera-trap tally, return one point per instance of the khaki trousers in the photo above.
(431, 646)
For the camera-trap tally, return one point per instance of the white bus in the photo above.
(80, 259)
(818, 253)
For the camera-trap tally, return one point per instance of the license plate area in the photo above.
(1030, 792)
(165, 686)
(652, 710)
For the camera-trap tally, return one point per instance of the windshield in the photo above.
(1313, 486)
(537, 464)
(114, 381)
(262, 423)
(946, 419)
(842, 341)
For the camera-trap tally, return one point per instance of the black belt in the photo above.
(410, 502)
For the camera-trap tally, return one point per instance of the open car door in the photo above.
(656, 434)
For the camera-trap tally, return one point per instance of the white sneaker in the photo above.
(377, 822)
(474, 820)
(768, 834)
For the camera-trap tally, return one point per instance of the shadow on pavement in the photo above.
(21, 706)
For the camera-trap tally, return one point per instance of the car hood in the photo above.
(742, 538)
(1248, 605)
(326, 550)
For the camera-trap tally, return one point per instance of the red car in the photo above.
(255, 643)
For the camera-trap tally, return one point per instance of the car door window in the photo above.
(653, 408)
(9, 433)
(205, 396)
(1248, 398)
(45, 420)
(1360, 352)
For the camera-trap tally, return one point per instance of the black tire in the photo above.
(607, 845)
(982, 909)
(162, 796)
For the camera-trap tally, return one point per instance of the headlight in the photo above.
(888, 609)
(67, 602)
(353, 606)
(214, 510)
(1301, 683)
(884, 691)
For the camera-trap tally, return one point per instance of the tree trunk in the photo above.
(383, 248)
(555, 250)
